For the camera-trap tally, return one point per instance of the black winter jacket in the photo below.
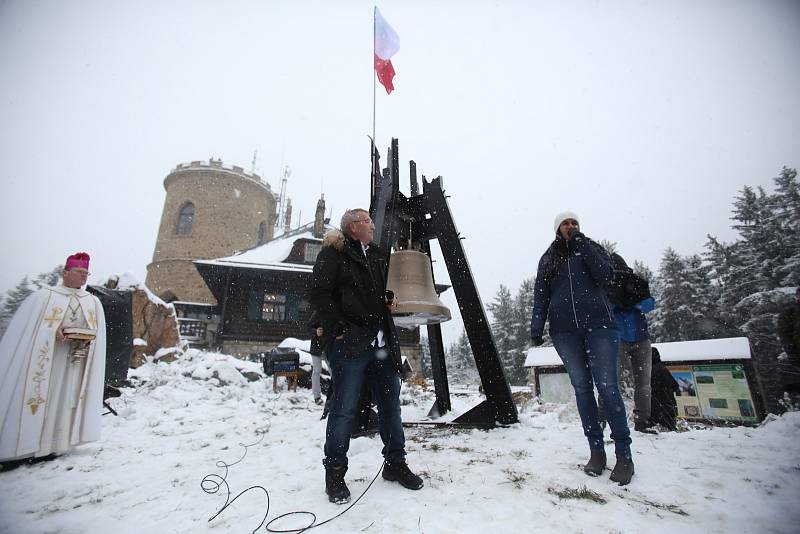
(348, 294)
(663, 386)
(570, 288)
(789, 330)
(316, 348)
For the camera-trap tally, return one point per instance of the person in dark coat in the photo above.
(789, 334)
(316, 360)
(348, 294)
(663, 408)
(570, 290)
(630, 300)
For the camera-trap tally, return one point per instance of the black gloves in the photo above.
(576, 235)
(537, 340)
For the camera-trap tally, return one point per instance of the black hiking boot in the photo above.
(644, 428)
(399, 472)
(594, 467)
(334, 485)
(623, 471)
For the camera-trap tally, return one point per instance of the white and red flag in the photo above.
(387, 43)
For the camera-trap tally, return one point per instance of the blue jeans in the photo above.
(591, 356)
(348, 373)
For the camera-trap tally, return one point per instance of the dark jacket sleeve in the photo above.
(599, 262)
(541, 299)
(323, 294)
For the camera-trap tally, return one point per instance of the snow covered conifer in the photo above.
(14, 297)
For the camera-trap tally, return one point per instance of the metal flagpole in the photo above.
(374, 83)
(374, 74)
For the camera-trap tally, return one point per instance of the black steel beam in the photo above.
(439, 370)
(490, 369)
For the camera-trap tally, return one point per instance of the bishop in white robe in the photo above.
(51, 387)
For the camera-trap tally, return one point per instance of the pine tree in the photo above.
(460, 362)
(787, 211)
(424, 357)
(14, 297)
(610, 246)
(665, 320)
(503, 319)
(523, 310)
(686, 300)
(644, 271)
(464, 350)
(702, 298)
(753, 273)
(50, 278)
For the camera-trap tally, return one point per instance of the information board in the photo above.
(714, 391)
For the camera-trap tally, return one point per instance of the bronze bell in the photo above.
(411, 279)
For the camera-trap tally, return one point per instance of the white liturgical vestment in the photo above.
(51, 400)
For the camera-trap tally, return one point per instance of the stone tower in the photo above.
(210, 211)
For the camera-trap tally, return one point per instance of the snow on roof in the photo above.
(272, 254)
(541, 356)
(732, 348)
(294, 267)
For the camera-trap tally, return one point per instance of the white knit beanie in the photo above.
(561, 217)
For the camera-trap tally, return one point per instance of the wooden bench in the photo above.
(292, 378)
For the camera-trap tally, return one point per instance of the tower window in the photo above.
(262, 233)
(185, 219)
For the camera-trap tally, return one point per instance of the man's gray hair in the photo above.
(351, 216)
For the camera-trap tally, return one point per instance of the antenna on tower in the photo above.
(282, 200)
(255, 156)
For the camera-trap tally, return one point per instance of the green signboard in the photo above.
(714, 391)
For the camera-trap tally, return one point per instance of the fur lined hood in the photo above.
(335, 239)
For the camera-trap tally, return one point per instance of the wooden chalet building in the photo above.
(262, 293)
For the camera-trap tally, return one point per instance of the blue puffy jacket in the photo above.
(570, 288)
(632, 322)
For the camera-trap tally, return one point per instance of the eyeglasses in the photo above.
(367, 220)
(80, 272)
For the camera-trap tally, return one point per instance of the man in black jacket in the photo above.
(348, 294)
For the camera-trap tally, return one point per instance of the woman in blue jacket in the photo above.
(570, 291)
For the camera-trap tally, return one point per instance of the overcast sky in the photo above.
(645, 118)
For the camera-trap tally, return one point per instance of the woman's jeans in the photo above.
(348, 373)
(591, 356)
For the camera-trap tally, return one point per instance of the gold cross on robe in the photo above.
(55, 315)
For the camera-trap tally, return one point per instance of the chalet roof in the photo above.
(272, 254)
(731, 348)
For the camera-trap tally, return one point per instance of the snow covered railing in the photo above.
(192, 329)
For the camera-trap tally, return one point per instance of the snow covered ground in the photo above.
(145, 475)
